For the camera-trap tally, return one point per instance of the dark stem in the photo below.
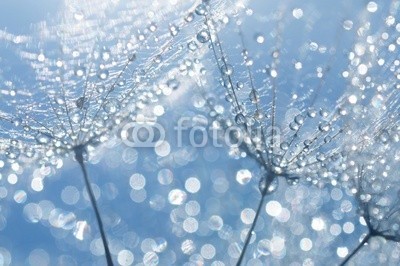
(250, 233)
(365, 240)
(79, 157)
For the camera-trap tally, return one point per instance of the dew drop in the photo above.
(203, 36)
(174, 30)
(111, 106)
(103, 74)
(254, 96)
(192, 46)
(79, 71)
(42, 138)
(201, 10)
(240, 119)
(227, 70)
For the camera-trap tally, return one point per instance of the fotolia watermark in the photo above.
(189, 132)
(142, 134)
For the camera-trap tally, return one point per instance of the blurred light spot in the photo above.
(70, 195)
(37, 184)
(273, 208)
(138, 196)
(263, 247)
(81, 230)
(188, 247)
(32, 212)
(336, 194)
(192, 185)
(158, 110)
(352, 99)
(192, 208)
(162, 148)
(372, 7)
(150, 258)
(165, 176)
(12, 179)
(342, 251)
(39, 257)
(215, 223)
(335, 229)
(190, 225)
(5, 256)
(137, 181)
(207, 251)
(318, 224)
(346, 206)
(277, 245)
(243, 176)
(177, 197)
(159, 245)
(129, 155)
(20, 196)
(306, 244)
(297, 13)
(125, 257)
(348, 227)
(247, 215)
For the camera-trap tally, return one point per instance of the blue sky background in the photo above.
(142, 221)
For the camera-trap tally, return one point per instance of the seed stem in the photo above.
(365, 240)
(250, 232)
(79, 157)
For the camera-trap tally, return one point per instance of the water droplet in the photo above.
(203, 36)
(299, 119)
(201, 10)
(323, 113)
(13, 153)
(132, 57)
(324, 127)
(240, 119)
(111, 106)
(17, 121)
(284, 146)
(79, 102)
(192, 46)
(273, 186)
(227, 69)
(152, 27)
(103, 74)
(173, 84)
(292, 181)
(189, 17)
(239, 85)
(42, 138)
(311, 113)
(254, 96)
(79, 71)
(105, 54)
(174, 30)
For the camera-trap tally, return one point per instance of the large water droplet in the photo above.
(203, 36)
(240, 119)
